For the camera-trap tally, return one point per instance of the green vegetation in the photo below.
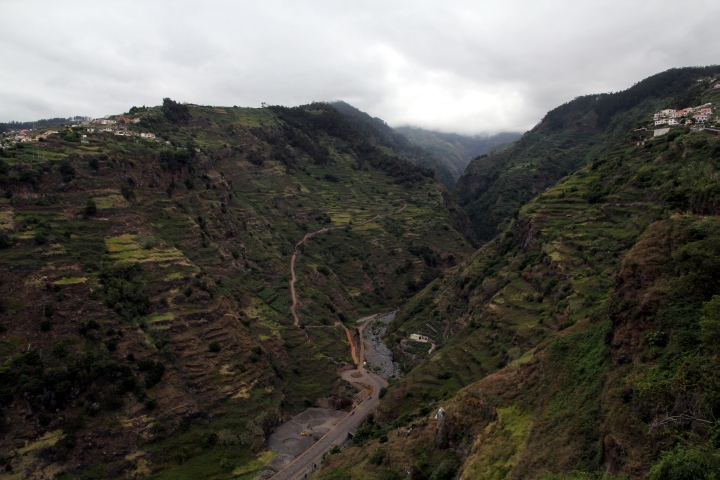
(577, 133)
(151, 280)
(581, 341)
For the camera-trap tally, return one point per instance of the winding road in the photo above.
(296, 251)
(308, 461)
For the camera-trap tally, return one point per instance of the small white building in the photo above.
(147, 135)
(416, 337)
(661, 121)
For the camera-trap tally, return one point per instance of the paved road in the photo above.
(306, 462)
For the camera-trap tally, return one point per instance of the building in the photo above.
(419, 338)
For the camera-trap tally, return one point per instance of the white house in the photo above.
(700, 118)
(419, 338)
(147, 135)
(673, 121)
(661, 121)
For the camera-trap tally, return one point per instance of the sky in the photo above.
(461, 66)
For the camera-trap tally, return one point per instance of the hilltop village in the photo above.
(119, 125)
(698, 117)
(686, 116)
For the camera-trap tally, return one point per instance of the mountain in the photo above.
(582, 341)
(145, 301)
(458, 150)
(386, 137)
(568, 137)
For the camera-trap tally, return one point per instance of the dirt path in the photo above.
(307, 462)
(293, 258)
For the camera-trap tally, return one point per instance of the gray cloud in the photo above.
(464, 66)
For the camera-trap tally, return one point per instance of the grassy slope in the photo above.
(565, 339)
(212, 236)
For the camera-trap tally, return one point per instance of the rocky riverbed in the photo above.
(377, 356)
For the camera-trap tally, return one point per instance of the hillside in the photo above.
(144, 302)
(568, 137)
(458, 150)
(580, 342)
(385, 137)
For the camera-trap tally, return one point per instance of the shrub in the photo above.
(40, 237)
(154, 374)
(90, 207)
(214, 347)
(127, 192)
(124, 292)
(5, 240)
(377, 457)
(686, 464)
(60, 350)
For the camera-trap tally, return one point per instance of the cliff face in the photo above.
(580, 341)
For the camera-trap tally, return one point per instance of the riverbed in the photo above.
(377, 355)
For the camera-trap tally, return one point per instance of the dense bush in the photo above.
(124, 291)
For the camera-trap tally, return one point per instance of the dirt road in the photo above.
(293, 258)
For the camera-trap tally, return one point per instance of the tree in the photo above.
(174, 112)
(710, 322)
(90, 207)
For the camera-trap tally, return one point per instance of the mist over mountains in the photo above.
(179, 281)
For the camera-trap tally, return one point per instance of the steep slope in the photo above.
(570, 136)
(144, 300)
(580, 341)
(458, 150)
(385, 137)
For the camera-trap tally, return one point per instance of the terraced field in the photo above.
(168, 263)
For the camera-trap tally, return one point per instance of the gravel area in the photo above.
(316, 422)
(377, 355)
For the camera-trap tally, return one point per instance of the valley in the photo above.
(161, 273)
(183, 304)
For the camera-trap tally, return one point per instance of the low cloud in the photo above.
(463, 66)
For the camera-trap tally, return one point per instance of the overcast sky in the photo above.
(459, 66)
